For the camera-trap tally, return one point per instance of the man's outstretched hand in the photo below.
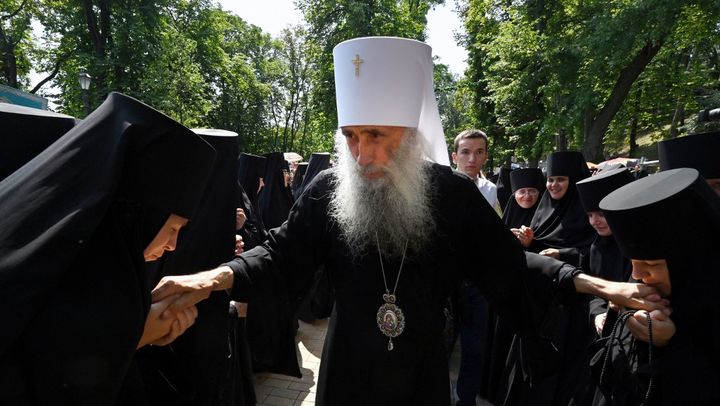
(191, 289)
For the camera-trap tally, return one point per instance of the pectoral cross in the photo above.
(357, 61)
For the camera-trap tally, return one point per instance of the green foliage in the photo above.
(549, 73)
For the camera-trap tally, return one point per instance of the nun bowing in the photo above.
(668, 224)
(77, 223)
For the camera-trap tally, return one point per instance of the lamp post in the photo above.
(84, 78)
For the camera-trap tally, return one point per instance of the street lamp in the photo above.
(84, 78)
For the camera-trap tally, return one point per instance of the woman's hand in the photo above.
(183, 321)
(551, 252)
(663, 328)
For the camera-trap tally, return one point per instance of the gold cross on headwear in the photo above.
(357, 61)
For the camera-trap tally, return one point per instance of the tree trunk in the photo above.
(597, 125)
(634, 123)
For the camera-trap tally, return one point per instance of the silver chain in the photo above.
(382, 267)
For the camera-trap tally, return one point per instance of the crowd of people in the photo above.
(142, 262)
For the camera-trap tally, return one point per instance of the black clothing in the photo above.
(607, 262)
(73, 226)
(275, 199)
(319, 161)
(504, 192)
(687, 370)
(416, 371)
(26, 132)
(250, 169)
(205, 243)
(298, 179)
(697, 151)
(563, 223)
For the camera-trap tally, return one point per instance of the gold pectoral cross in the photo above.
(357, 61)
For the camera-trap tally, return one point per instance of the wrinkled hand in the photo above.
(551, 252)
(663, 328)
(600, 322)
(635, 296)
(240, 218)
(239, 245)
(191, 289)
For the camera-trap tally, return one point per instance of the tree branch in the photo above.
(58, 64)
(14, 13)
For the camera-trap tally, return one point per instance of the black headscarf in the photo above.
(73, 225)
(204, 244)
(319, 161)
(298, 179)
(275, 199)
(26, 132)
(674, 215)
(563, 223)
(250, 169)
(514, 215)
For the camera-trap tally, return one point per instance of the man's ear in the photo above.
(454, 157)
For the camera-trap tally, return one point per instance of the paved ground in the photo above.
(281, 390)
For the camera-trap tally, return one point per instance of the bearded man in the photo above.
(395, 232)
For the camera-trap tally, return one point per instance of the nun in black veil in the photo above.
(251, 169)
(669, 225)
(527, 185)
(559, 227)
(275, 199)
(605, 259)
(77, 223)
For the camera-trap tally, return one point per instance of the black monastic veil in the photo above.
(74, 223)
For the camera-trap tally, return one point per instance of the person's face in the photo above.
(526, 197)
(470, 156)
(714, 184)
(652, 272)
(373, 147)
(598, 222)
(165, 239)
(557, 186)
(287, 177)
(261, 185)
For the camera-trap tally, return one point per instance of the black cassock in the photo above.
(470, 241)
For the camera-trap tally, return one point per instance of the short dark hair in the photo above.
(469, 134)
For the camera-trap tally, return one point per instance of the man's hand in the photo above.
(191, 288)
(629, 295)
(663, 328)
(240, 218)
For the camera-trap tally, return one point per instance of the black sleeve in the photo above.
(523, 288)
(291, 254)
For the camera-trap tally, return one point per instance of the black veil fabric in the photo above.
(563, 223)
(250, 169)
(687, 370)
(27, 132)
(275, 198)
(514, 215)
(319, 161)
(74, 223)
(203, 351)
(298, 177)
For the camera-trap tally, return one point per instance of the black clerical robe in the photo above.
(469, 241)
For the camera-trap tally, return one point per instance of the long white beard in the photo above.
(395, 206)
